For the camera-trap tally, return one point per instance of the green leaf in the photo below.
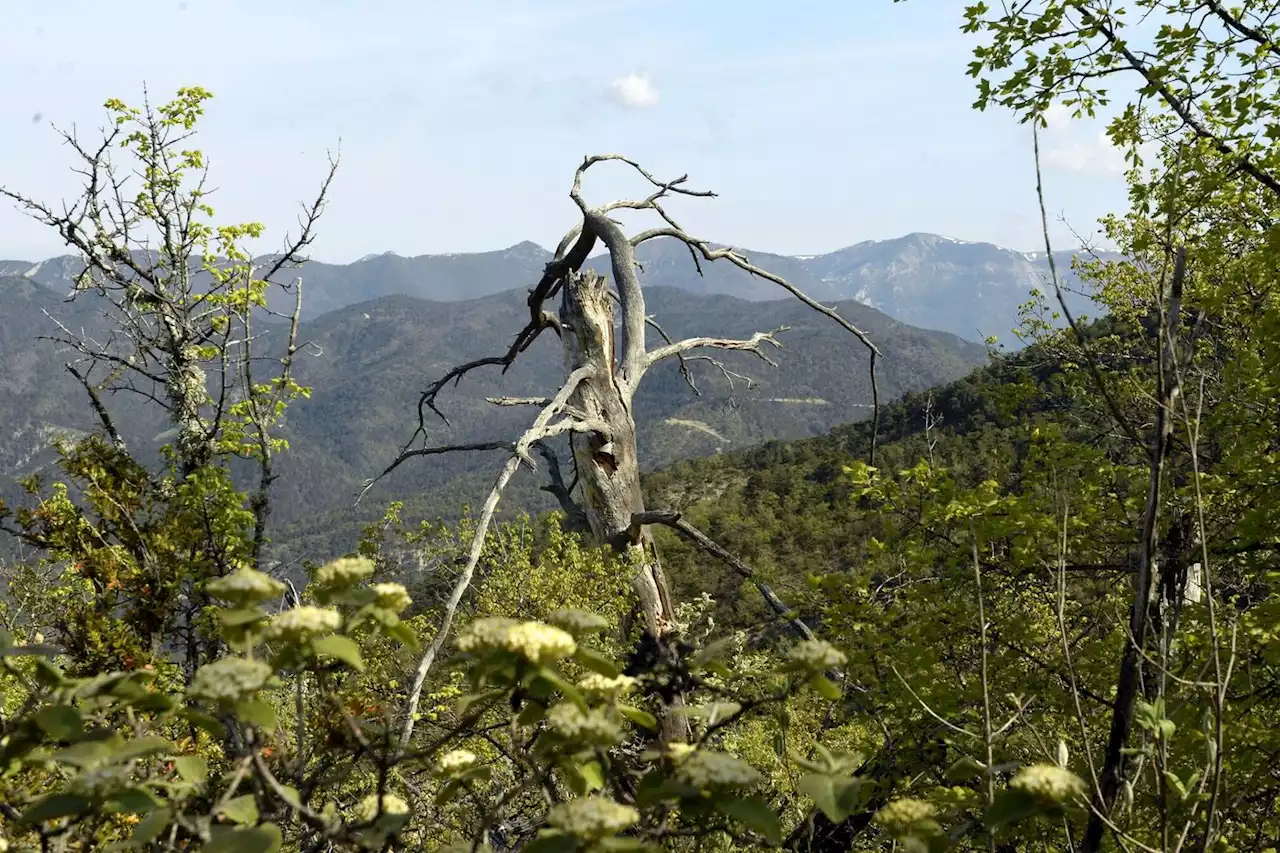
(1011, 806)
(60, 722)
(821, 789)
(87, 753)
(550, 841)
(640, 717)
(531, 714)
(557, 682)
(755, 814)
(341, 648)
(465, 702)
(622, 844)
(447, 792)
(204, 721)
(964, 769)
(258, 839)
(242, 616)
(140, 748)
(47, 674)
(596, 662)
(131, 801)
(54, 806)
(151, 826)
(258, 713)
(714, 651)
(825, 687)
(193, 768)
(242, 810)
(593, 773)
(403, 634)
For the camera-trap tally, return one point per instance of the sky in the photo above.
(820, 124)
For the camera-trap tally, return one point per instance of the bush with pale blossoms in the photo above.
(230, 680)
(578, 622)
(536, 642)
(457, 761)
(486, 635)
(299, 624)
(245, 587)
(391, 596)
(817, 656)
(344, 572)
(588, 728)
(366, 811)
(592, 818)
(705, 769)
(1049, 784)
(604, 687)
(540, 643)
(905, 815)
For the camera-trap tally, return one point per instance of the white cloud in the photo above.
(1088, 156)
(1057, 116)
(635, 91)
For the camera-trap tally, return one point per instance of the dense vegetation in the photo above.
(1035, 608)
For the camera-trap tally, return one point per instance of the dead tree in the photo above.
(593, 407)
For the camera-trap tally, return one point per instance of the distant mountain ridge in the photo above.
(369, 360)
(970, 289)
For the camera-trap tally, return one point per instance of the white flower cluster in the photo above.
(486, 634)
(817, 655)
(539, 643)
(1049, 783)
(905, 814)
(458, 760)
(366, 811)
(602, 686)
(592, 818)
(344, 572)
(229, 680)
(590, 728)
(707, 769)
(578, 622)
(300, 624)
(245, 587)
(534, 641)
(391, 596)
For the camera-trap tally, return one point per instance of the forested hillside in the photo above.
(367, 363)
(1031, 608)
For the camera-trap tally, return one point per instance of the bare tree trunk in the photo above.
(608, 463)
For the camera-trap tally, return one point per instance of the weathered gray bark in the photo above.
(594, 406)
(607, 460)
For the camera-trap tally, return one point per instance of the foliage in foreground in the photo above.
(1047, 607)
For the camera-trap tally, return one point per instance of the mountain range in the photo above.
(367, 363)
(385, 325)
(969, 289)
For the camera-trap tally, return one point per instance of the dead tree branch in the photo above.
(751, 345)
(675, 521)
(542, 428)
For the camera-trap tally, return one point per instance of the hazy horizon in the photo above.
(461, 125)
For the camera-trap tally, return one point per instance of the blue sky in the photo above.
(820, 124)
